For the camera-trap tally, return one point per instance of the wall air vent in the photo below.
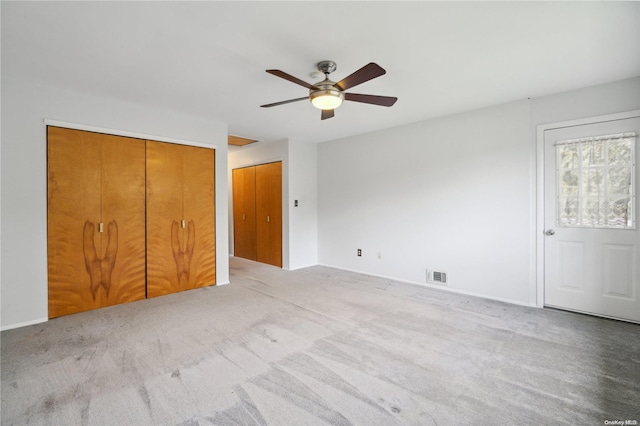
(436, 277)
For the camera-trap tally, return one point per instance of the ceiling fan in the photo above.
(328, 95)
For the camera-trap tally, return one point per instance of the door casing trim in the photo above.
(540, 129)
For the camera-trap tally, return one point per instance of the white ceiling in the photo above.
(209, 58)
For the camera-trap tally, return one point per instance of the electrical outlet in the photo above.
(359, 252)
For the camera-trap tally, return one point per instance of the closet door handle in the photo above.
(183, 224)
(268, 219)
(101, 227)
(244, 217)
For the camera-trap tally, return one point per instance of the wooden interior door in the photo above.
(92, 177)
(199, 215)
(269, 213)
(180, 218)
(244, 213)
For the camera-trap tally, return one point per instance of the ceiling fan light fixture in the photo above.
(326, 99)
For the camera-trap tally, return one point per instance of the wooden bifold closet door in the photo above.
(269, 213)
(126, 219)
(180, 218)
(244, 213)
(95, 220)
(257, 213)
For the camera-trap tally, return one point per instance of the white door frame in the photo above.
(540, 186)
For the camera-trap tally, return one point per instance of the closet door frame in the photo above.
(117, 132)
(284, 216)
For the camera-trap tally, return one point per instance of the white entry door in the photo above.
(592, 241)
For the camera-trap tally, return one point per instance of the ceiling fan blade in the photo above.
(366, 73)
(283, 102)
(326, 113)
(291, 78)
(371, 99)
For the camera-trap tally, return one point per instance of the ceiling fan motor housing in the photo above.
(326, 96)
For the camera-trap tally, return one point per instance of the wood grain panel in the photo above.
(123, 203)
(164, 211)
(238, 141)
(269, 213)
(199, 214)
(244, 213)
(88, 269)
(180, 218)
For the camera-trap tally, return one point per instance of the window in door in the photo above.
(595, 178)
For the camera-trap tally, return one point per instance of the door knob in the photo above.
(550, 232)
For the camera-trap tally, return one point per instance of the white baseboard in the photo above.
(302, 267)
(23, 324)
(438, 287)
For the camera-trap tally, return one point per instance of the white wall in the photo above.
(299, 182)
(303, 220)
(455, 194)
(603, 99)
(449, 194)
(24, 180)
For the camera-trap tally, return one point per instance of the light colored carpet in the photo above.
(320, 346)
